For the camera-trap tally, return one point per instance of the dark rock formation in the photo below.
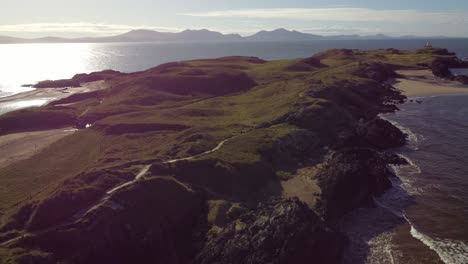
(378, 134)
(351, 178)
(376, 71)
(168, 212)
(461, 78)
(277, 232)
(441, 68)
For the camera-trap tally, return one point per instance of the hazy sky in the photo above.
(32, 18)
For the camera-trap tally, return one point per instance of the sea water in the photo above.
(29, 63)
(424, 217)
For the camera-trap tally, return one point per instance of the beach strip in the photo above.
(423, 83)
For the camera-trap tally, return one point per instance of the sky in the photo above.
(78, 18)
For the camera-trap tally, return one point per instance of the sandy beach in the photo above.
(20, 146)
(43, 96)
(424, 83)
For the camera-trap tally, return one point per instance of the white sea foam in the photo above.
(381, 251)
(405, 173)
(413, 138)
(450, 251)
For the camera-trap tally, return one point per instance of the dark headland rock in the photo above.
(351, 178)
(168, 213)
(284, 231)
(441, 68)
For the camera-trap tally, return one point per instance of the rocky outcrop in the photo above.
(351, 178)
(376, 71)
(377, 134)
(461, 78)
(441, 68)
(153, 221)
(275, 232)
(293, 148)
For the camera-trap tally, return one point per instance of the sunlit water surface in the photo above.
(29, 63)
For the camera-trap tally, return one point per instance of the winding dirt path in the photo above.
(201, 154)
(107, 197)
(137, 177)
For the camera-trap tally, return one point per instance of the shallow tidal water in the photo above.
(424, 217)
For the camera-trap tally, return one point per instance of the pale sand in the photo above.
(20, 146)
(303, 185)
(52, 94)
(423, 83)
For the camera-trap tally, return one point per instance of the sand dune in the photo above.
(423, 82)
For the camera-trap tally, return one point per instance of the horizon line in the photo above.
(239, 34)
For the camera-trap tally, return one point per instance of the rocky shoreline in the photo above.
(281, 230)
(222, 209)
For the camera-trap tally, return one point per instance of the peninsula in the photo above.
(228, 160)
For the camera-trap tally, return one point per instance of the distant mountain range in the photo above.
(202, 35)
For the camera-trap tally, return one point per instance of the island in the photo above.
(228, 160)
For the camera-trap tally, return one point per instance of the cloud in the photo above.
(342, 14)
(85, 28)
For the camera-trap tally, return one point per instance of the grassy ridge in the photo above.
(277, 114)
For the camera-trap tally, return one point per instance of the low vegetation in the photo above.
(272, 116)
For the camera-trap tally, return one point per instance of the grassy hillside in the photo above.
(275, 116)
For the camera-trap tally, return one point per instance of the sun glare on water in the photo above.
(29, 63)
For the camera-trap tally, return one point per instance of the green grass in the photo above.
(240, 98)
(69, 156)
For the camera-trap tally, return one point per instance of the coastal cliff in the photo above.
(187, 162)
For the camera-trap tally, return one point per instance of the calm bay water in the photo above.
(29, 63)
(430, 198)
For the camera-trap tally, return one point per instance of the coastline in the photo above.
(415, 83)
(395, 229)
(22, 145)
(414, 180)
(43, 96)
(350, 177)
(437, 249)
